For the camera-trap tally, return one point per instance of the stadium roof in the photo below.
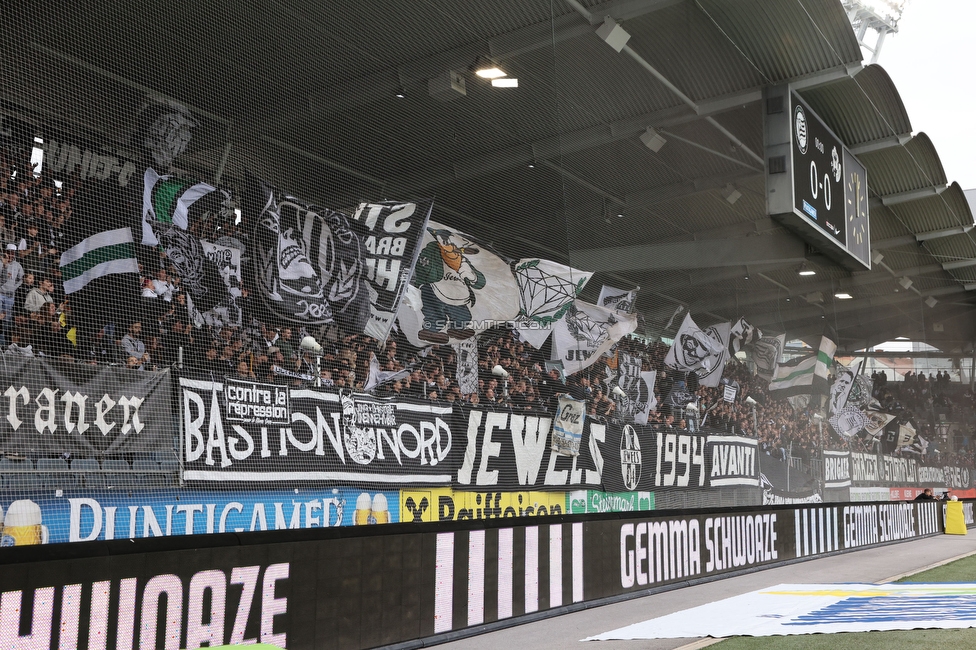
(305, 94)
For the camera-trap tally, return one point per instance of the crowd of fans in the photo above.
(35, 319)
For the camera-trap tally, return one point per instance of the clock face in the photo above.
(856, 208)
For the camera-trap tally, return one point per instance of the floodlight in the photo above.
(652, 139)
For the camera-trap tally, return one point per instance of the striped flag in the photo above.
(104, 253)
(805, 375)
(99, 269)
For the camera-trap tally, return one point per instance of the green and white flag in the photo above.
(805, 375)
(104, 253)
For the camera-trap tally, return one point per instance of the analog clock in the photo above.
(856, 208)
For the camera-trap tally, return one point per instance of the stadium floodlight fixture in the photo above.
(652, 139)
(505, 82)
(805, 270)
(843, 295)
(487, 69)
(905, 282)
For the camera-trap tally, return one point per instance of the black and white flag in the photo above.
(586, 332)
(393, 232)
(378, 377)
(766, 354)
(703, 352)
(637, 401)
(315, 266)
(467, 365)
(618, 299)
(845, 419)
(743, 335)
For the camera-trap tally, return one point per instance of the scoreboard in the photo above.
(815, 186)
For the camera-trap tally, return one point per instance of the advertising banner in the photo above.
(89, 515)
(444, 504)
(589, 501)
(657, 551)
(243, 431)
(53, 408)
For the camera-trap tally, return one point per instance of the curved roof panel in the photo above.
(864, 108)
(787, 40)
(914, 166)
(937, 212)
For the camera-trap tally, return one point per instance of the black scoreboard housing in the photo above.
(814, 185)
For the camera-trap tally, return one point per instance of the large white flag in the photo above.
(586, 332)
(546, 290)
(567, 426)
(464, 288)
(703, 352)
(378, 377)
(618, 299)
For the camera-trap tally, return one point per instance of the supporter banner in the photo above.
(865, 468)
(546, 290)
(837, 469)
(83, 410)
(326, 437)
(959, 477)
(586, 332)
(591, 501)
(567, 430)
(88, 515)
(392, 244)
(444, 504)
(510, 451)
(703, 352)
(731, 461)
(900, 470)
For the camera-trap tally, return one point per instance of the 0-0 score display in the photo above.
(817, 173)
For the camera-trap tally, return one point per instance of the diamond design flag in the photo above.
(586, 332)
(546, 290)
(464, 288)
(703, 352)
(618, 299)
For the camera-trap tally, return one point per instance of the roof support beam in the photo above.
(920, 237)
(777, 247)
(889, 200)
(880, 144)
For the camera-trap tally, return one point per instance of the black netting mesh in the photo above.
(290, 266)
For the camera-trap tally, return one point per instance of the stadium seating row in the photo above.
(57, 473)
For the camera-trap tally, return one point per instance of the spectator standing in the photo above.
(134, 348)
(11, 279)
